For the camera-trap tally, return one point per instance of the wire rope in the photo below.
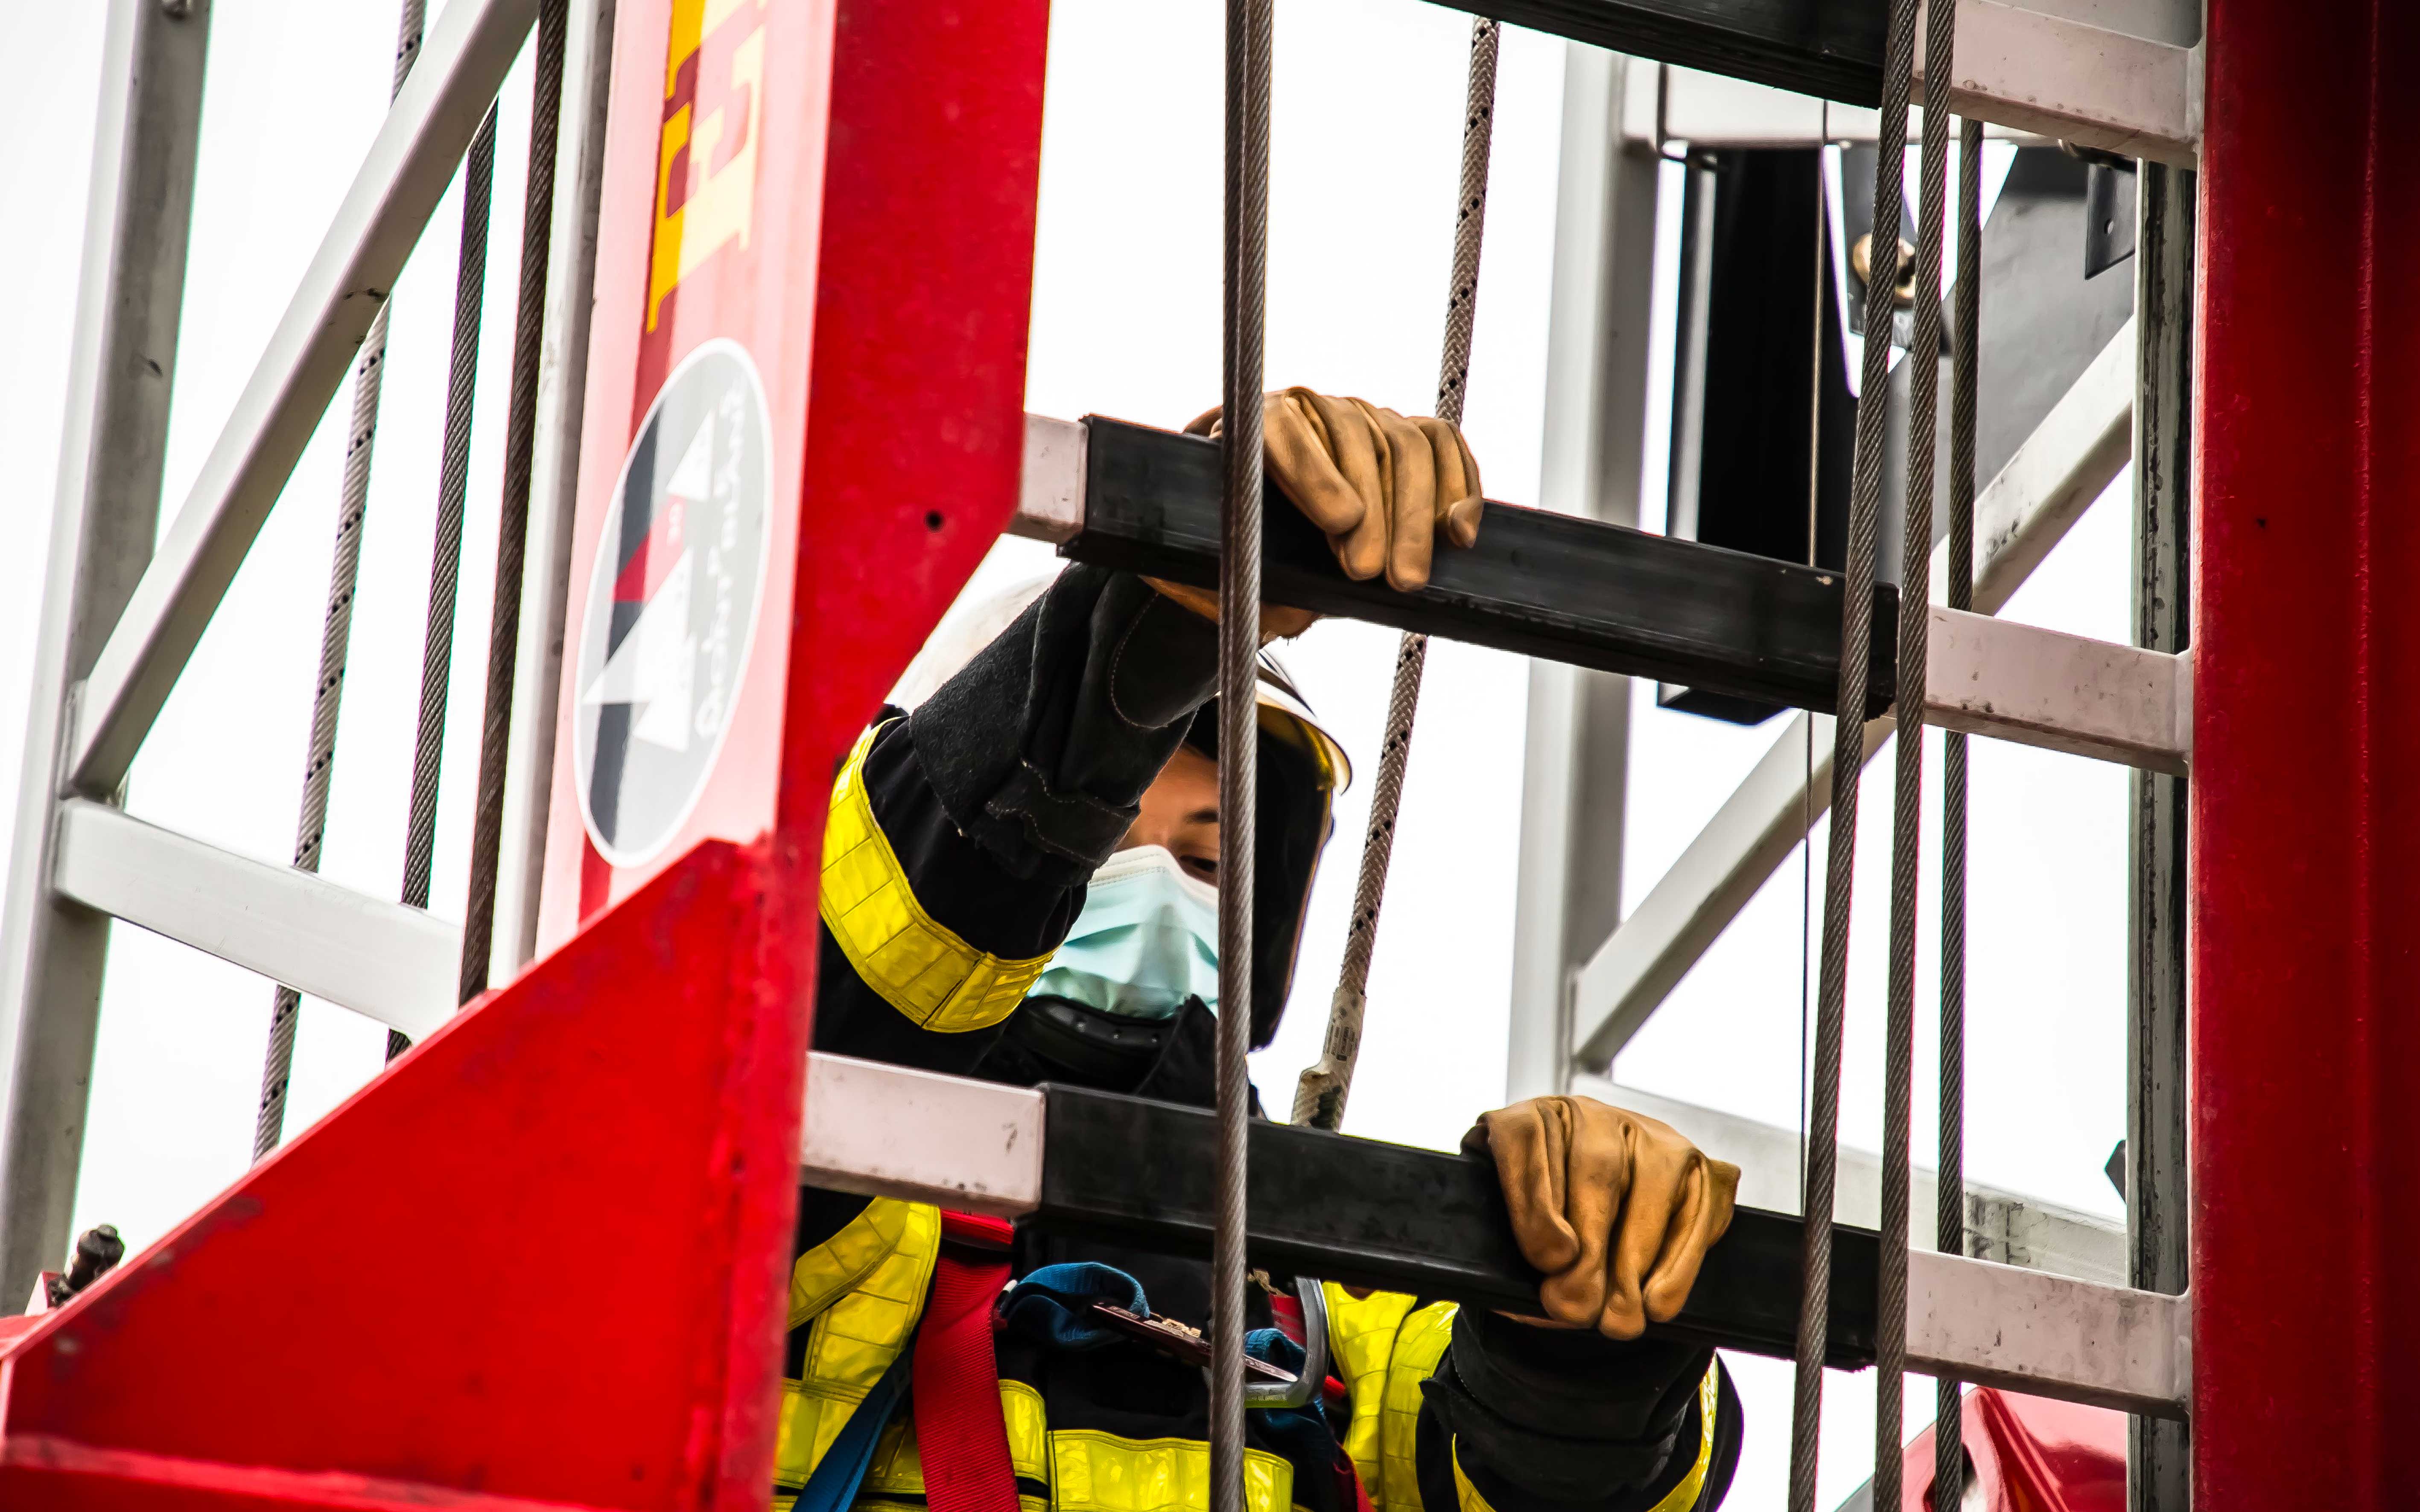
(1907, 794)
(335, 644)
(1950, 1217)
(1320, 1093)
(445, 558)
(1250, 24)
(512, 526)
(1814, 541)
(1856, 628)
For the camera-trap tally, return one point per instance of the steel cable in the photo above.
(1907, 789)
(1814, 542)
(512, 525)
(1950, 1217)
(1848, 752)
(445, 558)
(1248, 49)
(335, 644)
(1320, 1094)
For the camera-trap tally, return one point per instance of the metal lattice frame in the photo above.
(104, 674)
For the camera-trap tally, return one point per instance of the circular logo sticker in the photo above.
(672, 604)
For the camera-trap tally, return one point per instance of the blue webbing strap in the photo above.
(833, 1486)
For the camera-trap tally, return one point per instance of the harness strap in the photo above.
(961, 1435)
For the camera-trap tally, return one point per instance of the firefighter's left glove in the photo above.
(1384, 488)
(1618, 1209)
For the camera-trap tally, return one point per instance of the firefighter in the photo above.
(1020, 883)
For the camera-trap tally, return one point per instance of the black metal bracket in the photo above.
(1368, 1214)
(1831, 47)
(1541, 585)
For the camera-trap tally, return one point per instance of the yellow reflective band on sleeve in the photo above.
(916, 965)
(1680, 1498)
(1092, 1471)
(1710, 1401)
(818, 1277)
(1360, 1340)
(1419, 1343)
(855, 1334)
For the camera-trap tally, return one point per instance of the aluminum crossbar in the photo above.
(380, 959)
(465, 58)
(2062, 692)
(2075, 81)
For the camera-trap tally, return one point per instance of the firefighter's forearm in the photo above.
(1549, 1420)
(1040, 748)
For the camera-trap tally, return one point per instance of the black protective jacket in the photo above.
(998, 797)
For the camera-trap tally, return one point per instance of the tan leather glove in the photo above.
(1381, 485)
(1616, 1209)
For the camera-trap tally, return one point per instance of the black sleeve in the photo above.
(1552, 1420)
(1006, 788)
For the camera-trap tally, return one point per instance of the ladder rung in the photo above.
(1618, 600)
(1136, 1172)
(1542, 585)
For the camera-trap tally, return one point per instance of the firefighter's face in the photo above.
(1180, 812)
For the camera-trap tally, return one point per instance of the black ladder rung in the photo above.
(1830, 48)
(1542, 585)
(1368, 1214)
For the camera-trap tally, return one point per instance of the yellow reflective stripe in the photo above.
(1092, 1471)
(1680, 1498)
(1361, 1340)
(1419, 1343)
(1710, 1399)
(1029, 1441)
(856, 1336)
(822, 1274)
(918, 967)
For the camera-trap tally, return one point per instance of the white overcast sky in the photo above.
(1125, 322)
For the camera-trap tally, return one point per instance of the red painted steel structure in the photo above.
(2029, 1455)
(539, 1263)
(2306, 817)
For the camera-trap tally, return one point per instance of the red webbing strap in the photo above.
(960, 1434)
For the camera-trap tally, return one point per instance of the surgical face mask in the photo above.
(1146, 941)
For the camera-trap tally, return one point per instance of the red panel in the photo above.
(541, 1258)
(883, 288)
(694, 246)
(540, 1261)
(2306, 822)
(2030, 1454)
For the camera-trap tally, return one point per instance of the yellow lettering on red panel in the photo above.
(705, 156)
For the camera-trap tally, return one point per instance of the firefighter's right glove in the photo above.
(1618, 1209)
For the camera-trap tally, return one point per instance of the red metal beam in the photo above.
(538, 1260)
(541, 1263)
(2306, 817)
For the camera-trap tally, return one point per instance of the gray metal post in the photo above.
(1575, 784)
(137, 219)
(2160, 1463)
(554, 487)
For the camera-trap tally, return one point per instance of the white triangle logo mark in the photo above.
(654, 666)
